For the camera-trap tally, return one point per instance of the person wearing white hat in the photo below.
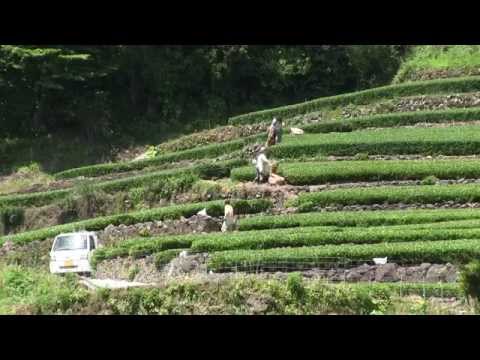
(263, 166)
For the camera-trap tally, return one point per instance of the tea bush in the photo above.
(425, 194)
(314, 173)
(464, 84)
(453, 251)
(214, 208)
(356, 218)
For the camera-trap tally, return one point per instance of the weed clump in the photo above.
(470, 282)
(430, 180)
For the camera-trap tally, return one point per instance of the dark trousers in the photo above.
(259, 177)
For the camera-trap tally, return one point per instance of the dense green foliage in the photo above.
(453, 251)
(363, 97)
(245, 295)
(214, 208)
(461, 140)
(357, 218)
(27, 290)
(423, 289)
(313, 173)
(101, 90)
(426, 194)
(470, 281)
(47, 87)
(10, 217)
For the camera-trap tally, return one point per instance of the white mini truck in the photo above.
(71, 252)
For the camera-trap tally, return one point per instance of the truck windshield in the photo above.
(71, 242)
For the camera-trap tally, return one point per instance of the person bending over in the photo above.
(262, 165)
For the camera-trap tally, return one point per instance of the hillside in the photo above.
(391, 171)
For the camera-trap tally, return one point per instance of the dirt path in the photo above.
(94, 284)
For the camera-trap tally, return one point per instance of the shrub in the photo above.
(206, 189)
(33, 169)
(391, 194)
(470, 281)
(460, 140)
(87, 199)
(218, 170)
(11, 217)
(142, 247)
(39, 292)
(430, 180)
(361, 157)
(395, 119)
(164, 257)
(314, 236)
(295, 286)
(357, 218)
(32, 199)
(234, 296)
(406, 289)
(246, 173)
(168, 188)
(313, 173)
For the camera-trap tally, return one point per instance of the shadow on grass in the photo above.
(67, 149)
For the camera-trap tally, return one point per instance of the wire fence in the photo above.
(262, 266)
(340, 270)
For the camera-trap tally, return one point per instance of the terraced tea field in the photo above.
(425, 210)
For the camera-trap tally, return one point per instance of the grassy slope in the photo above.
(205, 171)
(459, 57)
(26, 291)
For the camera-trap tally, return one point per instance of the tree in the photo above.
(102, 91)
(41, 86)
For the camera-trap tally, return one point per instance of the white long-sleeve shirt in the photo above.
(263, 165)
